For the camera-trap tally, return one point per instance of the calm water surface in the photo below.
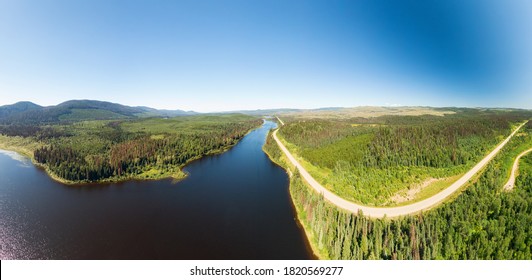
(232, 206)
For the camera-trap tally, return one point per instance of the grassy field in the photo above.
(21, 145)
(433, 188)
(366, 112)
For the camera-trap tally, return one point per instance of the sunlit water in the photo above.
(232, 206)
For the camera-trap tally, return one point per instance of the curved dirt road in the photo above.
(379, 212)
(511, 182)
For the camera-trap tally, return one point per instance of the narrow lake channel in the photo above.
(235, 205)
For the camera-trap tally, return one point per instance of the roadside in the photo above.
(379, 212)
(511, 181)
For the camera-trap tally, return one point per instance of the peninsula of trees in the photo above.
(92, 141)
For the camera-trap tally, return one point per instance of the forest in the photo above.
(369, 160)
(483, 222)
(28, 113)
(91, 151)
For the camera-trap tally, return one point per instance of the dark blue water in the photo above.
(231, 206)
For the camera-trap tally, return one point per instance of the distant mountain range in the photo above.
(28, 113)
(78, 110)
(264, 112)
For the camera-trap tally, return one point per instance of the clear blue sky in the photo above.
(225, 55)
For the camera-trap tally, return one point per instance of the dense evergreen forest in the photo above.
(146, 148)
(369, 160)
(483, 222)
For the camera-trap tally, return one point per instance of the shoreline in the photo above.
(182, 175)
(179, 176)
(311, 243)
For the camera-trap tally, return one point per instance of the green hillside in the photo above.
(26, 113)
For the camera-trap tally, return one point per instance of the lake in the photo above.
(235, 205)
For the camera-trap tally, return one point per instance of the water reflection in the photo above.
(231, 206)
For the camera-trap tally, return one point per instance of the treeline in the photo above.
(125, 157)
(36, 116)
(132, 156)
(71, 165)
(442, 144)
(39, 132)
(371, 163)
(430, 142)
(319, 132)
(483, 222)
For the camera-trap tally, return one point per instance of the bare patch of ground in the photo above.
(411, 193)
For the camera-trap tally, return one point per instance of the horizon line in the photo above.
(278, 108)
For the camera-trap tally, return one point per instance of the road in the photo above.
(282, 123)
(379, 212)
(511, 182)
